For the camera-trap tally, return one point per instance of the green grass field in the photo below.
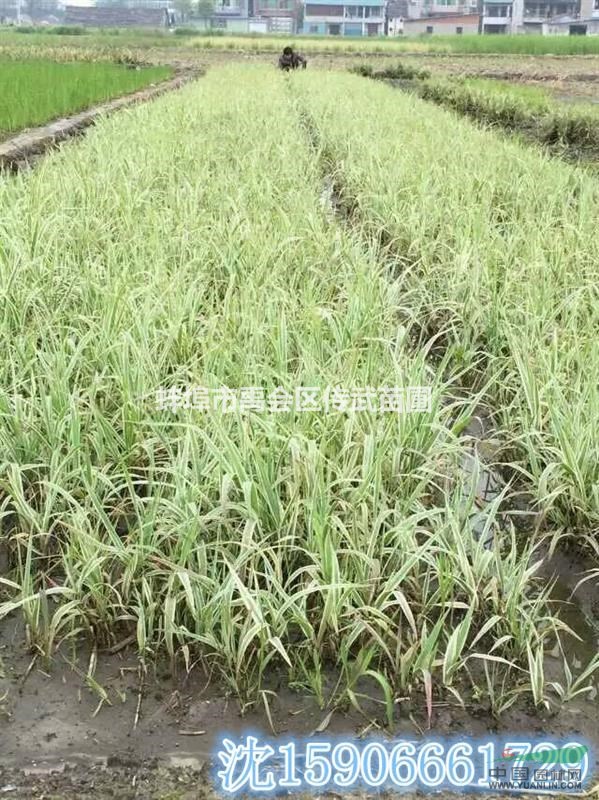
(34, 92)
(534, 98)
(296, 544)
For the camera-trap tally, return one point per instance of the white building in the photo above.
(415, 17)
(541, 16)
(345, 18)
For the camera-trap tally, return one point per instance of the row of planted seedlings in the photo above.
(36, 91)
(573, 129)
(294, 544)
(497, 244)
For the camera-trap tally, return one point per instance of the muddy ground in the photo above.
(154, 733)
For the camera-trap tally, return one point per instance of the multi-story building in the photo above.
(416, 17)
(345, 17)
(260, 16)
(444, 24)
(281, 15)
(230, 14)
(417, 9)
(499, 16)
(536, 12)
(561, 16)
(396, 13)
(540, 16)
(586, 26)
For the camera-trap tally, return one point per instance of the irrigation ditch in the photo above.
(23, 150)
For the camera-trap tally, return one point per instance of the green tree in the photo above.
(183, 8)
(205, 8)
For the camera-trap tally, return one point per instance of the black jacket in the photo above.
(292, 61)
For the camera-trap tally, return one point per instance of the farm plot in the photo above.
(568, 129)
(187, 38)
(500, 244)
(36, 91)
(571, 129)
(186, 244)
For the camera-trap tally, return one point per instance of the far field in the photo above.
(188, 37)
(33, 92)
(567, 66)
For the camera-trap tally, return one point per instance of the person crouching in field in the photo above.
(291, 60)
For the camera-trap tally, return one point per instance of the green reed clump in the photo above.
(397, 71)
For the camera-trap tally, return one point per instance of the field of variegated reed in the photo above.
(186, 243)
